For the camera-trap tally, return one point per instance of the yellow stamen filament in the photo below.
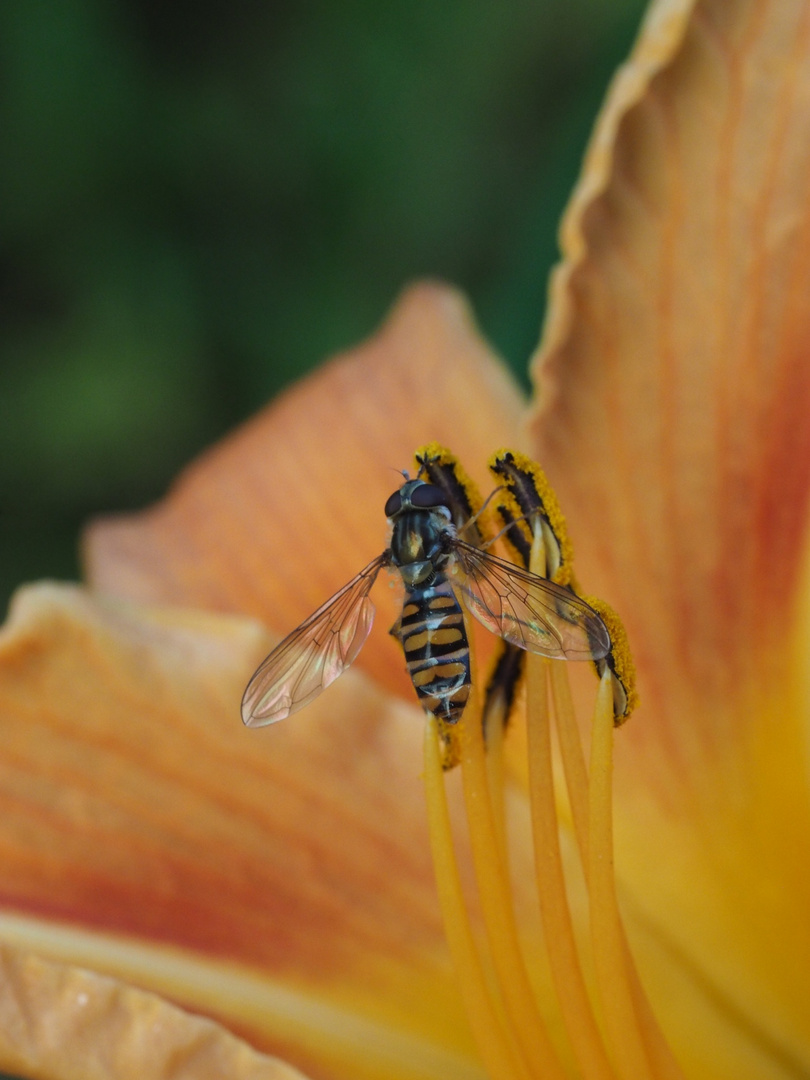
(576, 780)
(495, 730)
(512, 1038)
(573, 760)
(498, 1054)
(612, 976)
(569, 983)
(664, 1065)
(496, 904)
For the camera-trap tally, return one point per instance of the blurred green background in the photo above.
(201, 201)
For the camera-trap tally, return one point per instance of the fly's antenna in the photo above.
(506, 528)
(484, 504)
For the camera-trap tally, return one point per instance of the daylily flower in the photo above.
(280, 882)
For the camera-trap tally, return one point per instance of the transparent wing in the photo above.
(313, 655)
(529, 611)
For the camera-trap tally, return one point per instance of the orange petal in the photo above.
(282, 513)
(673, 381)
(136, 807)
(674, 391)
(61, 1023)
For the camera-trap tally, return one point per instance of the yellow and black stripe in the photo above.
(437, 652)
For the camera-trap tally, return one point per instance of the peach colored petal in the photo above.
(134, 803)
(61, 1023)
(282, 513)
(673, 379)
(674, 391)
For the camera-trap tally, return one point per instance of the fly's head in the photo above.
(421, 531)
(417, 495)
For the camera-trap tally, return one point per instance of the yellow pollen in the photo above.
(437, 454)
(441, 466)
(507, 502)
(449, 743)
(619, 663)
(561, 568)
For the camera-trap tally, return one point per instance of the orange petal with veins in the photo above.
(673, 396)
(281, 514)
(280, 882)
(673, 382)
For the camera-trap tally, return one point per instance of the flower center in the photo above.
(610, 1030)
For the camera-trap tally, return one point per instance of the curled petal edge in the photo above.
(658, 40)
(64, 1023)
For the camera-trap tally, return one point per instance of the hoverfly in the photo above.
(433, 561)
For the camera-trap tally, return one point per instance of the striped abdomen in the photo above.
(436, 650)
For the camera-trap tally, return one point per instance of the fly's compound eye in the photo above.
(394, 504)
(427, 496)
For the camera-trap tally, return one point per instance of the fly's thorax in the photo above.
(417, 573)
(421, 543)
